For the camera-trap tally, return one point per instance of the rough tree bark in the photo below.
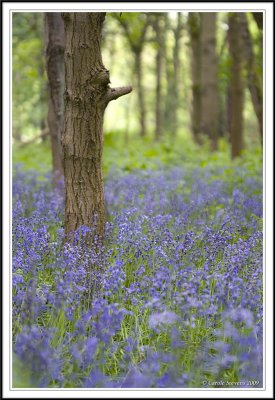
(237, 85)
(254, 76)
(54, 51)
(209, 86)
(196, 66)
(87, 94)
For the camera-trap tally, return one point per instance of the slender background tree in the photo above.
(237, 85)
(135, 27)
(194, 27)
(54, 51)
(253, 71)
(175, 97)
(209, 84)
(158, 26)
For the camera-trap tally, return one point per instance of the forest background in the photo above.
(125, 147)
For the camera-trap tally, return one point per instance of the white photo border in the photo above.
(267, 9)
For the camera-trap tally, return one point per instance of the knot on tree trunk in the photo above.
(101, 77)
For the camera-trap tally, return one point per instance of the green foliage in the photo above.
(28, 75)
(145, 154)
(35, 156)
(194, 24)
(20, 375)
(133, 24)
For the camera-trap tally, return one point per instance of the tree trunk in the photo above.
(223, 91)
(196, 67)
(54, 41)
(169, 77)
(254, 77)
(140, 93)
(237, 87)
(159, 69)
(258, 17)
(176, 64)
(209, 86)
(228, 110)
(136, 39)
(43, 126)
(87, 94)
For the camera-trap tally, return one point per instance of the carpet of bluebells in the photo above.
(172, 300)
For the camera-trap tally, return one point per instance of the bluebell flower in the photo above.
(165, 317)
